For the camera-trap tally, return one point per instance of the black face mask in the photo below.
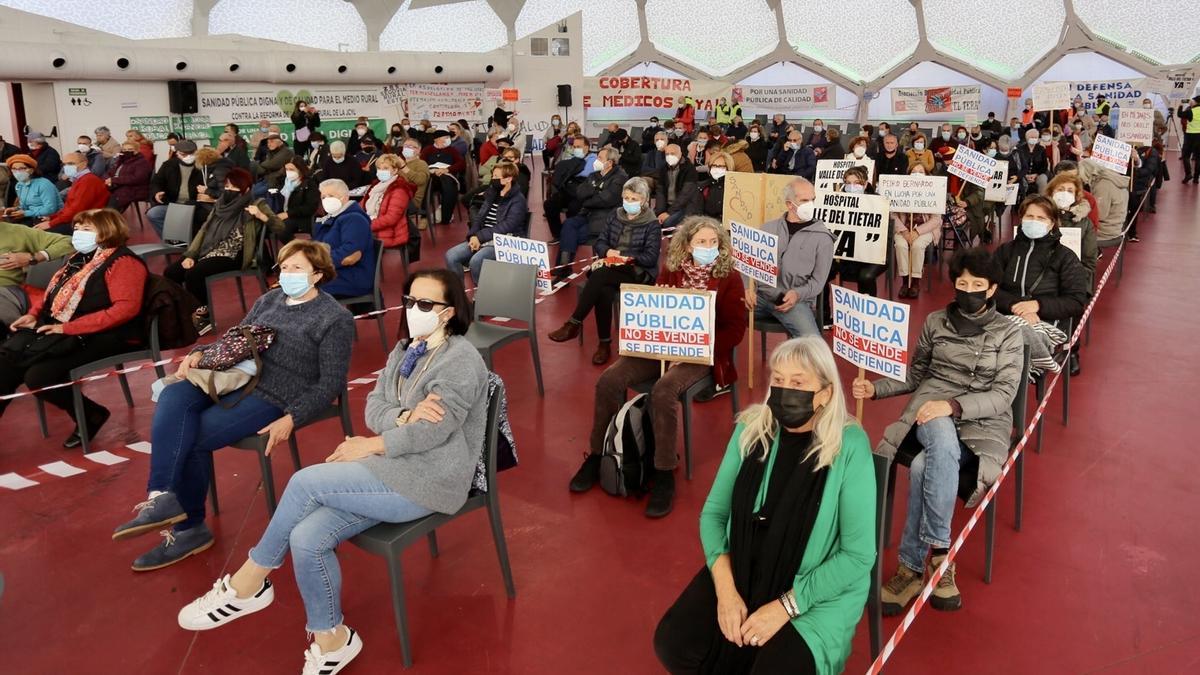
(792, 408)
(970, 302)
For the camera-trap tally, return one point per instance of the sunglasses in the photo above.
(422, 304)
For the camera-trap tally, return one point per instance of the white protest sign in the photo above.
(1071, 237)
(1183, 82)
(830, 172)
(786, 98)
(521, 251)
(972, 166)
(914, 194)
(970, 119)
(1157, 85)
(1137, 126)
(1010, 194)
(871, 333)
(755, 253)
(672, 324)
(1112, 154)
(1051, 95)
(997, 187)
(445, 103)
(859, 224)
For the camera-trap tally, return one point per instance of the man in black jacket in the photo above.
(174, 183)
(890, 161)
(992, 125)
(631, 153)
(648, 135)
(1031, 158)
(676, 189)
(597, 196)
(562, 187)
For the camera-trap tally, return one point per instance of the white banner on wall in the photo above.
(445, 103)
(662, 93)
(929, 100)
(787, 98)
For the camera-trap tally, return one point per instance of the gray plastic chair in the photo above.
(874, 599)
(177, 226)
(258, 443)
(508, 293)
(375, 297)
(770, 325)
(389, 540)
(255, 270)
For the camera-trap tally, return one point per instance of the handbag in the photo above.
(26, 346)
(239, 343)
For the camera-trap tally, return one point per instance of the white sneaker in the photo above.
(222, 605)
(316, 663)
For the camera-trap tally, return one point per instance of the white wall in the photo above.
(8, 115)
(40, 112)
(930, 74)
(537, 78)
(787, 72)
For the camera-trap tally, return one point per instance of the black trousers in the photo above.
(555, 206)
(57, 370)
(599, 294)
(193, 279)
(1191, 156)
(448, 189)
(688, 638)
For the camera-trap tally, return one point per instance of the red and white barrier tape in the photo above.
(921, 599)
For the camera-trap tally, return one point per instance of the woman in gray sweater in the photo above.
(429, 414)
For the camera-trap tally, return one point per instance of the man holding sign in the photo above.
(696, 312)
(964, 375)
(805, 254)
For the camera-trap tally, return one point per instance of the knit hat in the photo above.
(22, 159)
(240, 179)
(185, 146)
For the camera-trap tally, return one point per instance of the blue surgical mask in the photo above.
(854, 188)
(84, 241)
(705, 256)
(580, 153)
(22, 176)
(991, 152)
(384, 175)
(632, 208)
(70, 170)
(1034, 229)
(294, 284)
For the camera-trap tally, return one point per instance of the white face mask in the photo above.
(361, 130)
(660, 144)
(422, 324)
(338, 160)
(293, 176)
(859, 151)
(672, 160)
(384, 175)
(597, 164)
(84, 148)
(805, 210)
(1064, 199)
(187, 159)
(409, 153)
(919, 146)
(754, 135)
(84, 241)
(512, 128)
(717, 172)
(332, 205)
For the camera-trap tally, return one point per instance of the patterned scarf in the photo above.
(68, 287)
(696, 276)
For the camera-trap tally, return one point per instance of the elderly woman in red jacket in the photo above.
(700, 257)
(386, 201)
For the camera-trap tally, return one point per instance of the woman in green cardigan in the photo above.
(788, 532)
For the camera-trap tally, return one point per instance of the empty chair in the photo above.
(508, 293)
(177, 233)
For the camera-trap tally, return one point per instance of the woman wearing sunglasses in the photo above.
(428, 414)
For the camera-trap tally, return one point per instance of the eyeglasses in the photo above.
(422, 304)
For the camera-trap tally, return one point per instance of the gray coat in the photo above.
(431, 464)
(982, 372)
(804, 260)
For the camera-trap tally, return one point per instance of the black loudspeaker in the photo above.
(182, 96)
(564, 96)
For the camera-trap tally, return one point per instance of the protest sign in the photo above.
(1157, 85)
(1137, 126)
(637, 91)
(859, 224)
(1183, 82)
(672, 324)
(755, 253)
(830, 172)
(1051, 95)
(997, 188)
(1014, 92)
(521, 251)
(786, 98)
(947, 99)
(972, 166)
(914, 194)
(1112, 154)
(871, 333)
(1116, 92)
(1010, 194)
(970, 119)
(754, 198)
(445, 103)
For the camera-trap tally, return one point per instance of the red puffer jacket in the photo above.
(391, 225)
(731, 319)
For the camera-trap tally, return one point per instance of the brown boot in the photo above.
(603, 353)
(900, 590)
(568, 331)
(945, 595)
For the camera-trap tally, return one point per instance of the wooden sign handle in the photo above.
(859, 402)
(750, 351)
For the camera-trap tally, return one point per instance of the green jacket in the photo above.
(834, 577)
(21, 239)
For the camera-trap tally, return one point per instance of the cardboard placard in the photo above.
(1051, 95)
(1136, 127)
(755, 253)
(972, 166)
(871, 333)
(1112, 154)
(859, 224)
(1010, 194)
(914, 194)
(754, 198)
(997, 189)
(672, 324)
(830, 172)
(521, 251)
(930, 100)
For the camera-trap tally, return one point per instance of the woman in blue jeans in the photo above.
(504, 211)
(302, 372)
(429, 411)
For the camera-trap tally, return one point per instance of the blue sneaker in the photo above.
(162, 510)
(175, 546)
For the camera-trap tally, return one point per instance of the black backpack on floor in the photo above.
(627, 460)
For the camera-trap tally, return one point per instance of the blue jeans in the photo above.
(462, 254)
(798, 321)
(259, 189)
(575, 233)
(324, 505)
(187, 427)
(157, 215)
(932, 489)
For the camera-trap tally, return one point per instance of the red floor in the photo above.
(1101, 579)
